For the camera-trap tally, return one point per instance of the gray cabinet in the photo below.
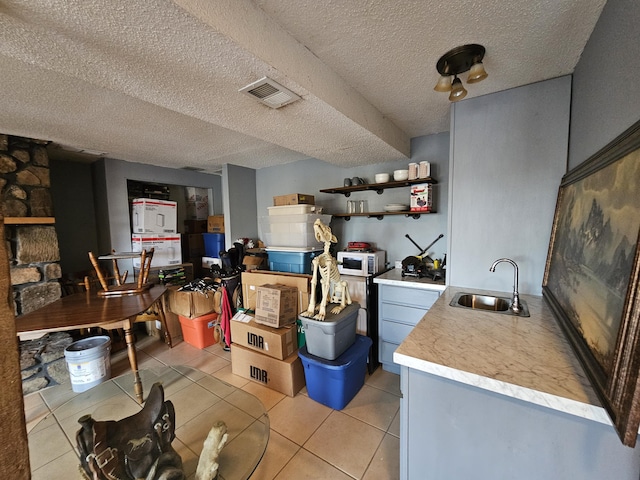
(400, 308)
(451, 430)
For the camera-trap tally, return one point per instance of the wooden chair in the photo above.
(113, 285)
(120, 287)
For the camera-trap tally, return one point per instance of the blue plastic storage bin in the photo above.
(292, 261)
(334, 383)
(213, 244)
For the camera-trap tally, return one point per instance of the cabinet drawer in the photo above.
(401, 313)
(394, 332)
(386, 352)
(409, 296)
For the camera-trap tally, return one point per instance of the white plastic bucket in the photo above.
(88, 362)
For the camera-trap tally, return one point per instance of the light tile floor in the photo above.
(307, 439)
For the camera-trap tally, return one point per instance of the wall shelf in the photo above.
(380, 215)
(29, 220)
(377, 187)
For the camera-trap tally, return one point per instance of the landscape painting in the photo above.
(591, 277)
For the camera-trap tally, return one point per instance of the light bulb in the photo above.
(444, 84)
(477, 73)
(458, 91)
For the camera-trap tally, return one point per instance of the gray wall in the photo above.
(239, 193)
(75, 214)
(112, 204)
(606, 88)
(508, 154)
(311, 176)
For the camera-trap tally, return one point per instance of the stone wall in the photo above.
(32, 248)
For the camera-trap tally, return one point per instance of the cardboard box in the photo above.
(253, 279)
(421, 197)
(192, 304)
(173, 323)
(276, 342)
(293, 199)
(208, 262)
(193, 245)
(154, 216)
(195, 226)
(156, 329)
(197, 210)
(276, 305)
(196, 267)
(285, 376)
(167, 248)
(254, 262)
(215, 224)
(195, 194)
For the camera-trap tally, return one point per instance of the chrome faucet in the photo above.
(516, 306)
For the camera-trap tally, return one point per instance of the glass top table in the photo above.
(200, 400)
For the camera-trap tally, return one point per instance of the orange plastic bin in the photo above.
(199, 331)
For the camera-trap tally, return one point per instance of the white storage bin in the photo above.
(294, 209)
(292, 230)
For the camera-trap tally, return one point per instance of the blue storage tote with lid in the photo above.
(292, 260)
(213, 244)
(334, 383)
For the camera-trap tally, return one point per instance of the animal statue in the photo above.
(135, 447)
(139, 447)
(334, 290)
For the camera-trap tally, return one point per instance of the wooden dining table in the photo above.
(88, 309)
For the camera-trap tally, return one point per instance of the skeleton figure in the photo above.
(334, 290)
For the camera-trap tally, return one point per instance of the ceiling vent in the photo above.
(270, 93)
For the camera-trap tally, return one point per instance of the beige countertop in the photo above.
(394, 277)
(527, 358)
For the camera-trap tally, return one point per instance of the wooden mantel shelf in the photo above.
(29, 220)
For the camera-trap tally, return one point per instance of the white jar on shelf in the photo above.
(424, 170)
(413, 171)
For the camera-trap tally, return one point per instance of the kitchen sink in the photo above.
(487, 303)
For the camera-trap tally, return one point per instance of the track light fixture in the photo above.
(456, 61)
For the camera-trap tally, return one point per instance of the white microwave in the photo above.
(361, 264)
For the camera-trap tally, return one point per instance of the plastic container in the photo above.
(88, 362)
(424, 170)
(292, 260)
(334, 383)
(199, 331)
(213, 244)
(328, 339)
(292, 230)
(413, 171)
(294, 209)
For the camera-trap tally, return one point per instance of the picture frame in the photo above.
(591, 274)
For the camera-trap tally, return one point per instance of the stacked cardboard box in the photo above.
(195, 315)
(150, 215)
(421, 198)
(266, 354)
(193, 249)
(294, 199)
(215, 224)
(197, 203)
(154, 225)
(276, 305)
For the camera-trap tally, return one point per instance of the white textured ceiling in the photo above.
(156, 81)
